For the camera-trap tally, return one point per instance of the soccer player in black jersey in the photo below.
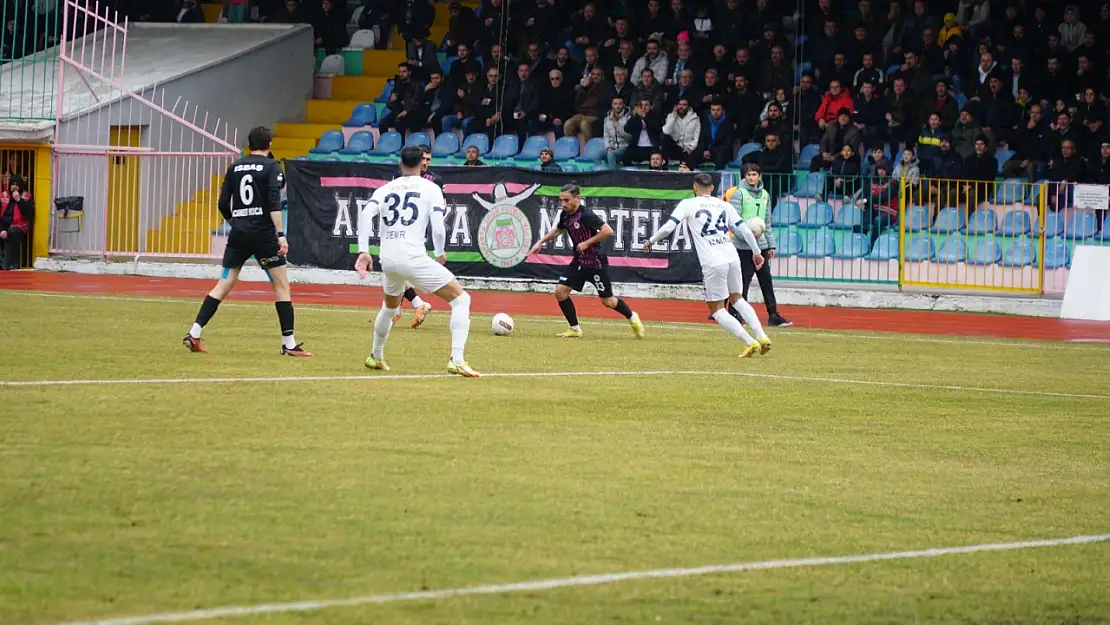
(250, 200)
(587, 230)
(420, 308)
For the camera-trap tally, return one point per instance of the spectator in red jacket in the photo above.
(835, 99)
(17, 215)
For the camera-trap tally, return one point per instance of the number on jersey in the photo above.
(246, 190)
(712, 226)
(394, 206)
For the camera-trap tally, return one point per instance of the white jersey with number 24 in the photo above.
(709, 220)
(404, 207)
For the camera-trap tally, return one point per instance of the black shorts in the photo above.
(576, 276)
(242, 245)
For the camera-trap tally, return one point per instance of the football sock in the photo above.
(735, 314)
(622, 308)
(417, 302)
(748, 314)
(460, 325)
(383, 323)
(285, 318)
(567, 306)
(410, 294)
(207, 309)
(732, 326)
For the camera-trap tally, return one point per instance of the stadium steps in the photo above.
(303, 130)
(188, 230)
(331, 112)
(360, 88)
(212, 12)
(284, 144)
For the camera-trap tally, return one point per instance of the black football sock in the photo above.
(567, 306)
(285, 318)
(207, 308)
(622, 308)
(410, 294)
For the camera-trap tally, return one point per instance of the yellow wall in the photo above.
(123, 192)
(44, 201)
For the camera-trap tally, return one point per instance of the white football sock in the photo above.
(747, 313)
(732, 326)
(195, 332)
(417, 302)
(383, 323)
(460, 325)
(288, 341)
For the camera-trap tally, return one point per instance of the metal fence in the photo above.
(28, 60)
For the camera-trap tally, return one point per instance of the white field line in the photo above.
(555, 374)
(579, 581)
(671, 326)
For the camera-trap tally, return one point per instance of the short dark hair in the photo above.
(411, 156)
(572, 189)
(703, 180)
(424, 149)
(260, 138)
(750, 168)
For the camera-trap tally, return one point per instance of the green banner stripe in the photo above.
(625, 192)
(453, 257)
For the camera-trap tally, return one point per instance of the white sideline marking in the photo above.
(582, 580)
(1087, 345)
(556, 374)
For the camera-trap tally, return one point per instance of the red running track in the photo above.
(848, 319)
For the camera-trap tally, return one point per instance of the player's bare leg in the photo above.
(283, 302)
(566, 304)
(732, 326)
(747, 313)
(619, 305)
(209, 307)
(459, 300)
(383, 323)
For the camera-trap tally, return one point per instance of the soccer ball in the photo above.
(757, 226)
(502, 324)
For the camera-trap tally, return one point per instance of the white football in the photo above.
(757, 226)
(502, 324)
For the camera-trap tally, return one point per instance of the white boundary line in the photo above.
(579, 581)
(1088, 345)
(555, 374)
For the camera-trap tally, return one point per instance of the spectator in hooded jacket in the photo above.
(681, 131)
(653, 59)
(617, 138)
(998, 112)
(1072, 30)
(835, 99)
(17, 216)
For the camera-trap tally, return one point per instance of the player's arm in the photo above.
(555, 233)
(275, 181)
(666, 229)
(224, 203)
(439, 228)
(741, 229)
(365, 218)
(594, 221)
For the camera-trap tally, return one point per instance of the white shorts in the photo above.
(422, 272)
(722, 280)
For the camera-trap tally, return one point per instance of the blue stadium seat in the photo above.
(886, 247)
(961, 101)
(952, 250)
(1053, 224)
(848, 217)
(919, 247)
(418, 139)
(477, 140)
(388, 143)
(566, 148)
(594, 151)
(807, 155)
(818, 244)
(1106, 228)
(744, 150)
(362, 115)
(818, 215)
(445, 65)
(983, 221)
(1081, 225)
(787, 213)
(1016, 223)
(446, 144)
(789, 244)
(504, 146)
(360, 143)
(1020, 253)
(986, 251)
(949, 220)
(1001, 157)
(333, 159)
(811, 185)
(853, 245)
(1012, 191)
(387, 91)
(917, 218)
(1056, 254)
(532, 147)
(331, 141)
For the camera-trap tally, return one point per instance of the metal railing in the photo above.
(28, 60)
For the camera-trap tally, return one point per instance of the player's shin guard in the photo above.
(622, 308)
(460, 326)
(567, 306)
(383, 323)
(207, 309)
(748, 314)
(285, 318)
(732, 326)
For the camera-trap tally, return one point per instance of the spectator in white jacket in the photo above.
(681, 132)
(1072, 30)
(617, 138)
(655, 60)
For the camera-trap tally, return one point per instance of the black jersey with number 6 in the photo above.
(251, 191)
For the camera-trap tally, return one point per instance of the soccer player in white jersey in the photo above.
(709, 220)
(405, 207)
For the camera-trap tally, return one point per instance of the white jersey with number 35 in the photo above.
(404, 207)
(709, 220)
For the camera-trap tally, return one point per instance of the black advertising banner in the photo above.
(494, 215)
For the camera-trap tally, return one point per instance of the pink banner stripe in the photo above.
(351, 181)
(619, 261)
(510, 188)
